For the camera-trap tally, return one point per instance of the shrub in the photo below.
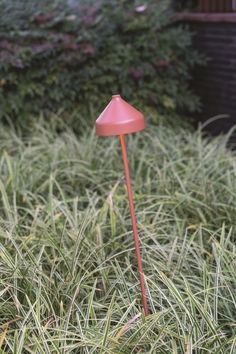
(180, 5)
(75, 54)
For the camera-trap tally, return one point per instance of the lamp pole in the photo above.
(134, 224)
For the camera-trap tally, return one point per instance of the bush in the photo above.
(75, 54)
(180, 5)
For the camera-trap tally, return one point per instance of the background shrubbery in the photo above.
(185, 4)
(71, 55)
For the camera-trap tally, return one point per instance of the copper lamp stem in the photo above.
(134, 226)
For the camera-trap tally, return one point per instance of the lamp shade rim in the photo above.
(117, 129)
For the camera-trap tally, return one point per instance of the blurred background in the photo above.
(213, 23)
(68, 56)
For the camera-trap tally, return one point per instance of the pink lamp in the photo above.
(120, 118)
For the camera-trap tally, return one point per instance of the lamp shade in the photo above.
(119, 117)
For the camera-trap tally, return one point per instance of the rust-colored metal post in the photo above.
(134, 225)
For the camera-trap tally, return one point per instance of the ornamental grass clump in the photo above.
(67, 283)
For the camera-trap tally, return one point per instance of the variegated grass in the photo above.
(68, 277)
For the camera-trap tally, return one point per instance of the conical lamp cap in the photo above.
(119, 117)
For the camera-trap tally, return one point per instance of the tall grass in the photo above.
(68, 278)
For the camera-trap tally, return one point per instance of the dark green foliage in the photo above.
(181, 5)
(72, 55)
